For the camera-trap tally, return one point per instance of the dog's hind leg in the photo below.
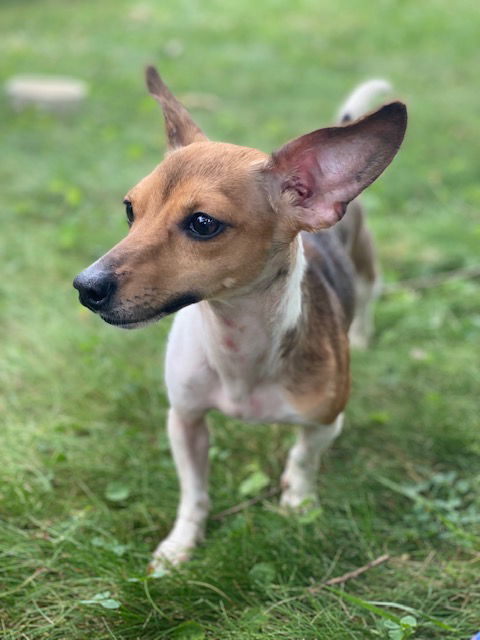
(298, 479)
(367, 288)
(358, 242)
(189, 444)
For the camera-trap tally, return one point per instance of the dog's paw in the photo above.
(297, 500)
(168, 555)
(298, 491)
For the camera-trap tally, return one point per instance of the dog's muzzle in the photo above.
(98, 285)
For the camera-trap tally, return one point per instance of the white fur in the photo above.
(242, 339)
(360, 100)
(189, 443)
(292, 301)
(298, 479)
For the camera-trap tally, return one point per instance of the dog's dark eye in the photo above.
(202, 226)
(129, 212)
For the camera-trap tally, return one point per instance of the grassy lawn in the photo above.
(87, 484)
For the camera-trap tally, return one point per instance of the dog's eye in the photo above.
(202, 226)
(129, 212)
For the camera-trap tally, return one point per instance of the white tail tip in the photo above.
(359, 101)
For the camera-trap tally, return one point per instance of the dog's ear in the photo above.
(180, 128)
(314, 177)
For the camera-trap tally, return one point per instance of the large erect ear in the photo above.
(181, 129)
(314, 177)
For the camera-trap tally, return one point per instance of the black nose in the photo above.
(96, 289)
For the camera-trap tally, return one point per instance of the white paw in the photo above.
(298, 492)
(168, 554)
(297, 501)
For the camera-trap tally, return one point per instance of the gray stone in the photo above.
(52, 93)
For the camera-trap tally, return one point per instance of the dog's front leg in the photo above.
(189, 443)
(298, 479)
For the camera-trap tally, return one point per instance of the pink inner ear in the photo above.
(295, 184)
(311, 190)
(302, 178)
(321, 213)
(340, 209)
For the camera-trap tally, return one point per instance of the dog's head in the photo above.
(208, 221)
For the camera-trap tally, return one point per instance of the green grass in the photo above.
(87, 484)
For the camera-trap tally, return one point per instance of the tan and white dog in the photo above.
(240, 241)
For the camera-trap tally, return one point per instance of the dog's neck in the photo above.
(244, 333)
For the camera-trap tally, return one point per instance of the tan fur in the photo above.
(156, 259)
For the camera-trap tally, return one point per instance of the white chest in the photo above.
(226, 354)
(264, 403)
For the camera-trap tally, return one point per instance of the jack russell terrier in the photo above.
(238, 242)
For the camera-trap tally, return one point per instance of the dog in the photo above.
(268, 267)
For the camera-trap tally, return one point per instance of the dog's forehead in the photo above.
(214, 176)
(216, 165)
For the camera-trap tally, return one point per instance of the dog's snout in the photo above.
(95, 289)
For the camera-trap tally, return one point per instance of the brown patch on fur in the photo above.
(316, 369)
(289, 342)
(317, 352)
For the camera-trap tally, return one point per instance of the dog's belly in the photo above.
(266, 403)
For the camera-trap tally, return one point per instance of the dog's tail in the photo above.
(359, 101)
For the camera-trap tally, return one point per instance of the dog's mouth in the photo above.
(122, 319)
(123, 323)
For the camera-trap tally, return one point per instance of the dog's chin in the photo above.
(124, 323)
(123, 320)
